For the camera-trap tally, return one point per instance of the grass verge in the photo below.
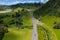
(49, 21)
(21, 34)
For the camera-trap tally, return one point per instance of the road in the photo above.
(5, 11)
(34, 33)
(35, 22)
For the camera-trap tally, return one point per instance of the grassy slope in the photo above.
(49, 20)
(22, 34)
(46, 33)
(41, 34)
(50, 8)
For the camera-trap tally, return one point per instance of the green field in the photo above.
(45, 33)
(49, 21)
(41, 33)
(21, 34)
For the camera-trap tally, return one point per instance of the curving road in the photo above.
(5, 11)
(34, 33)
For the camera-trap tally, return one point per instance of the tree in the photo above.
(3, 30)
(19, 23)
(12, 22)
(1, 21)
(18, 14)
(18, 19)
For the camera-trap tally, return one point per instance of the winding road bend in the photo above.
(34, 33)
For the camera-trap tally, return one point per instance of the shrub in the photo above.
(57, 26)
(3, 30)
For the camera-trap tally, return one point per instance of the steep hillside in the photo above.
(52, 7)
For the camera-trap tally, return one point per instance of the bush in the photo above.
(1, 21)
(3, 30)
(57, 26)
(12, 22)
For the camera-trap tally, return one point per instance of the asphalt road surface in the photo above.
(34, 33)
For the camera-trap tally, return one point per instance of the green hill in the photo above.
(52, 7)
(49, 13)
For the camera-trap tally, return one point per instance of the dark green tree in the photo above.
(19, 19)
(3, 30)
